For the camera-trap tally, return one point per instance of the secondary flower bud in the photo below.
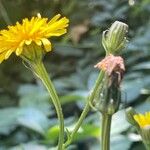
(114, 39)
(143, 119)
(142, 123)
(130, 112)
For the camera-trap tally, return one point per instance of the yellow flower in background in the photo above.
(143, 119)
(37, 30)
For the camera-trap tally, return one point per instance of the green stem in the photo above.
(105, 135)
(43, 75)
(147, 145)
(86, 109)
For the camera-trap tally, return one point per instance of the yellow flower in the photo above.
(37, 30)
(143, 119)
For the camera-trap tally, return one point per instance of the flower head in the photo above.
(111, 64)
(143, 120)
(142, 123)
(29, 34)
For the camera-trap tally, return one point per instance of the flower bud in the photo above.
(130, 112)
(142, 124)
(114, 39)
(109, 100)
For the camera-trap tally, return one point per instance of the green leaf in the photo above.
(143, 107)
(35, 96)
(29, 146)
(119, 123)
(52, 134)
(71, 98)
(33, 119)
(117, 143)
(120, 142)
(144, 65)
(86, 131)
(67, 50)
(132, 88)
(8, 120)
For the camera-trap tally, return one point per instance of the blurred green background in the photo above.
(27, 120)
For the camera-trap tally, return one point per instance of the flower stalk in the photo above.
(112, 42)
(86, 108)
(30, 41)
(109, 98)
(41, 72)
(105, 131)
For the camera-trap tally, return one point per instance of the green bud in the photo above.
(109, 99)
(111, 108)
(114, 39)
(130, 112)
(32, 53)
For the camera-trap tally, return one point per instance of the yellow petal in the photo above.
(38, 15)
(19, 51)
(36, 29)
(47, 44)
(55, 18)
(28, 42)
(2, 57)
(38, 42)
(8, 53)
(56, 33)
(142, 120)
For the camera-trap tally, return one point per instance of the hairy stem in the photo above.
(43, 75)
(86, 109)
